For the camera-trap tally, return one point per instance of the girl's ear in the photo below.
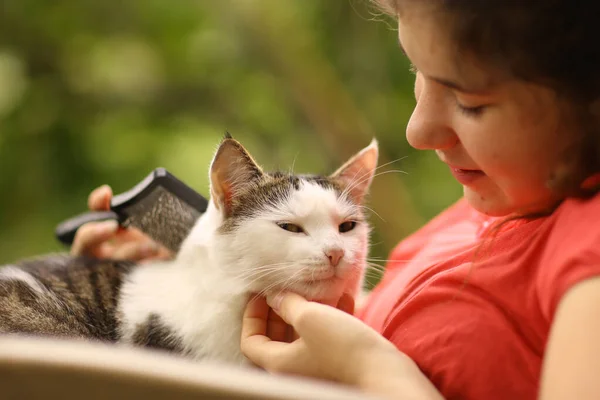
(232, 171)
(357, 173)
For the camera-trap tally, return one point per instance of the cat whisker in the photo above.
(390, 162)
(380, 167)
(255, 272)
(273, 265)
(366, 176)
(355, 179)
(375, 267)
(269, 267)
(387, 260)
(372, 275)
(257, 277)
(294, 163)
(273, 285)
(371, 210)
(374, 272)
(283, 282)
(262, 272)
(294, 278)
(371, 266)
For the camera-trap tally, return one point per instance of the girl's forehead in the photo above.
(427, 40)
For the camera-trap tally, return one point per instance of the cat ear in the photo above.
(232, 170)
(357, 173)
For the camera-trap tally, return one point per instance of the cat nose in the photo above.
(334, 255)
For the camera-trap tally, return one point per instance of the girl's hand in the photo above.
(107, 240)
(330, 341)
(331, 345)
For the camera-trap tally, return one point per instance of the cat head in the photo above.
(304, 233)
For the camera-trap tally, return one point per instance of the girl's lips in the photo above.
(466, 176)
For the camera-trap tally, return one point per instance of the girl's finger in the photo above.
(289, 306)
(99, 199)
(255, 317)
(277, 329)
(135, 251)
(163, 254)
(134, 235)
(346, 303)
(254, 342)
(310, 319)
(259, 348)
(92, 234)
(131, 234)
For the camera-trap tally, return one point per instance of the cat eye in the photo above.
(347, 226)
(290, 227)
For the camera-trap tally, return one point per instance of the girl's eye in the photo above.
(471, 111)
(290, 227)
(347, 226)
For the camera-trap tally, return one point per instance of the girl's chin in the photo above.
(491, 204)
(494, 203)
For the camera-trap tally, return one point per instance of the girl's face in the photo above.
(501, 138)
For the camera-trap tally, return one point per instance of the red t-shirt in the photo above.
(479, 330)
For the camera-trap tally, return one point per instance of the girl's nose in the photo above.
(429, 126)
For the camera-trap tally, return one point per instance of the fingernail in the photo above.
(275, 301)
(106, 227)
(148, 248)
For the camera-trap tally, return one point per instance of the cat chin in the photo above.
(321, 290)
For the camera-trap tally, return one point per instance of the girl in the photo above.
(498, 297)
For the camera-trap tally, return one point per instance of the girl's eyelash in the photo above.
(471, 111)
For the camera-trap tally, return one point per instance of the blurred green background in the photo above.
(95, 92)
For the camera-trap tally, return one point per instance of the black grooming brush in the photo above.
(161, 206)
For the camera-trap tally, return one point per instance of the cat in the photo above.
(261, 233)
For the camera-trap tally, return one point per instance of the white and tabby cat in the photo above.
(262, 232)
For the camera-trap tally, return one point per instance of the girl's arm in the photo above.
(571, 368)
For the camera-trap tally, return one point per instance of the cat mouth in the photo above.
(323, 278)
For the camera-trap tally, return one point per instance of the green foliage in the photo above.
(94, 92)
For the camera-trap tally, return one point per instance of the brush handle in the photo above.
(66, 230)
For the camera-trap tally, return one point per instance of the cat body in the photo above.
(63, 296)
(190, 310)
(262, 233)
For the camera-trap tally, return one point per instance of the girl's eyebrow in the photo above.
(454, 85)
(448, 83)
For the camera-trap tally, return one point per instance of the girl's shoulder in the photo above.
(570, 239)
(576, 214)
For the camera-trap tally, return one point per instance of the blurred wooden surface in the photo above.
(41, 369)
